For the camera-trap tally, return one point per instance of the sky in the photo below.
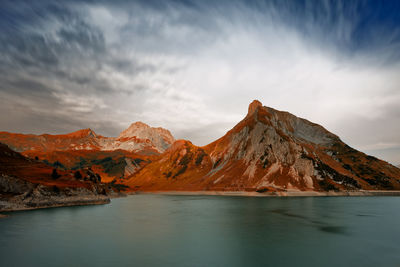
(193, 67)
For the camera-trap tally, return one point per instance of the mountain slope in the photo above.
(139, 137)
(268, 150)
(16, 165)
(109, 164)
(27, 184)
(111, 157)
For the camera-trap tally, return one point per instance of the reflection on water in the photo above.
(325, 227)
(333, 229)
(157, 230)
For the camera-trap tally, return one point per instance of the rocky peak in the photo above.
(143, 131)
(159, 138)
(133, 129)
(253, 107)
(82, 133)
(139, 124)
(179, 144)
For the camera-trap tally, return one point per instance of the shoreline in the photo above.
(87, 201)
(56, 203)
(274, 194)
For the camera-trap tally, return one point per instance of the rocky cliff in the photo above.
(18, 194)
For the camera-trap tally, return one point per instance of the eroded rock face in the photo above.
(269, 150)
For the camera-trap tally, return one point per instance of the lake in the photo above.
(165, 230)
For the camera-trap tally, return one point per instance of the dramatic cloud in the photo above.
(194, 66)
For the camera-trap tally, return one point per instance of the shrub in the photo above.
(58, 164)
(200, 157)
(185, 159)
(78, 175)
(182, 170)
(98, 177)
(55, 175)
(56, 189)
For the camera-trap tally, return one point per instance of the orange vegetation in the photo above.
(14, 164)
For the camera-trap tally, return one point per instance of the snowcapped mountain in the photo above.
(269, 150)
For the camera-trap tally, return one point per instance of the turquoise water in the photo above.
(157, 230)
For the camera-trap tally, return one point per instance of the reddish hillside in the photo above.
(181, 167)
(269, 150)
(85, 139)
(111, 157)
(139, 138)
(109, 164)
(14, 164)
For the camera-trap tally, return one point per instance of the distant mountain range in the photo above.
(268, 151)
(112, 157)
(139, 137)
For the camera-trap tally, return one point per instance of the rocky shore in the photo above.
(18, 194)
(52, 202)
(277, 194)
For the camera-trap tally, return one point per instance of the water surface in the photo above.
(162, 230)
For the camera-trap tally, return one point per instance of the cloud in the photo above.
(194, 66)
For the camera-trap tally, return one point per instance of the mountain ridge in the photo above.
(142, 137)
(111, 157)
(268, 150)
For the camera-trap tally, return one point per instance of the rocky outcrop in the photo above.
(17, 194)
(29, 184)
(131, 167)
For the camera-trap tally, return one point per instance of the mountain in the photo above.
(111, 157)
(159, 138)
(269, 150)
(139, 137)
